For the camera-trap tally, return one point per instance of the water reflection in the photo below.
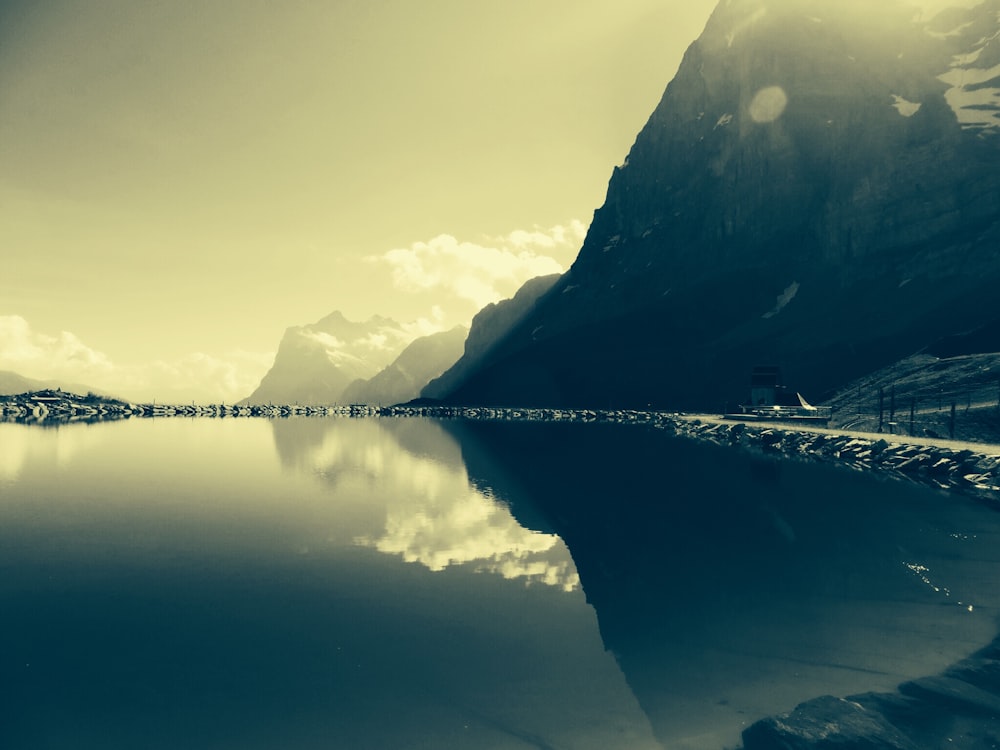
(433, 514)
(52, 447)
(181, 583)
(731, 587)
(315, 583)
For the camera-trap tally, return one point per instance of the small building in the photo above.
(764, 385)
(770, 399)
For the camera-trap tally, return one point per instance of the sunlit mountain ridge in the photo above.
(337, 360)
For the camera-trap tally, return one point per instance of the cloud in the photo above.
(327, 340)
(63, 355)
(478, 273)
(65, 358)
(571, 235)
(199, 377)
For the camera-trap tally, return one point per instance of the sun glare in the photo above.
(768, 104)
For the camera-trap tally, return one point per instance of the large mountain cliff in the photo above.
(315, 363)
(818, 188)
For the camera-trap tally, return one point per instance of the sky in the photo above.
(182, 180)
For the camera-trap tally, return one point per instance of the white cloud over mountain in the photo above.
(65, 358)
(59, 356)
(478, 273)
(441, 282)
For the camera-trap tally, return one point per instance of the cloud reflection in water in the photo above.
(434, 515)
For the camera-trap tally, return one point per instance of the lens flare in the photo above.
(768, 104)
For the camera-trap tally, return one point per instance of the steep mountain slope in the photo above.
(915, 396)
(424, 359)
(817, 189)
(489, 327)
(316, 362)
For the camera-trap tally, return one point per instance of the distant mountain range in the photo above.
(315, 363)
(336, 360)
(817, 189)
(420, 362)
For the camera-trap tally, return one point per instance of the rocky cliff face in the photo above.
(316, 362)
(424, 359)
(817, 188)
(489, 327)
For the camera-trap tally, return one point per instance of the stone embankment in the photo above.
(936, 465)
(953, 468)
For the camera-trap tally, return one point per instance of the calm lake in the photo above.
(410, 583)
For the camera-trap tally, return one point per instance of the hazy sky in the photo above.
(182, 180)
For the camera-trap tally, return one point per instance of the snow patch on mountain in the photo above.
(957, 31)
(904, 107)
(973, 78)
(783, 299)
(974, 96)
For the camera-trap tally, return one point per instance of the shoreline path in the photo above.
(992, 449)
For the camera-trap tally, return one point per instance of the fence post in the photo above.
(951, 422)
(881, 406)
(913, 409)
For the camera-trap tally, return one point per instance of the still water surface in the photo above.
(407, 583)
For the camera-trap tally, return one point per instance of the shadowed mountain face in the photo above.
(490, 325)
(817, 188)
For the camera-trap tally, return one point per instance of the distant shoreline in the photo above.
(971, 468)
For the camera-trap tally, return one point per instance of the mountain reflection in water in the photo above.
(181, 583)
(407, 583)
(434, 516)
(730, 587)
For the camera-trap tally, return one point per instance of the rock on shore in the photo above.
(957, 709)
